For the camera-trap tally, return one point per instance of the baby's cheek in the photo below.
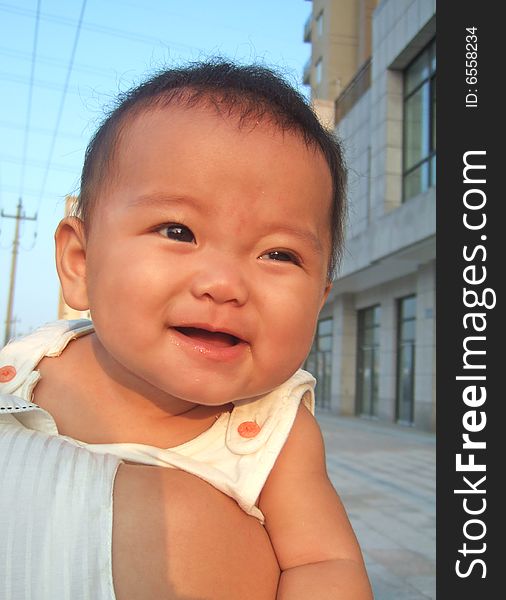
(290, 346)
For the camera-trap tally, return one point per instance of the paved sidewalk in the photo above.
(386, 477)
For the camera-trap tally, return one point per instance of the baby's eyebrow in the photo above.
(161, 199)
(303, 234)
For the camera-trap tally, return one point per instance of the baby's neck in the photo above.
(90, 402)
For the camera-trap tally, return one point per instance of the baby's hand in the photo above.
(310, 532)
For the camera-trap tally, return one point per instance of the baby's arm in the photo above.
(311, 535)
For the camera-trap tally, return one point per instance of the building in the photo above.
(374, 64)
(340, 35)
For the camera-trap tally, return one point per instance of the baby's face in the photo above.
(207, 254)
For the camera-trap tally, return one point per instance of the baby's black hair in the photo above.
(250, 93)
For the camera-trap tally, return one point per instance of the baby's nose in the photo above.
(221, 282)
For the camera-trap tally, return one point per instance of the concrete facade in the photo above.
(391, 245)
(340, 37)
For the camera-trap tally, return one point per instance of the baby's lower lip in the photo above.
(214, 345)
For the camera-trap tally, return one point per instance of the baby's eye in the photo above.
(281, 256)
(177, 232)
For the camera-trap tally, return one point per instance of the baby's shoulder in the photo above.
(20, 358)
(34, 369)
(268, 420)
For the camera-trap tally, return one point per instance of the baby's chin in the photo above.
(214, 396)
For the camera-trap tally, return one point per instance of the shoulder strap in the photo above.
(273, 413)
(20, 357)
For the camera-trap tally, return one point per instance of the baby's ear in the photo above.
(326, 292)
(70, 242)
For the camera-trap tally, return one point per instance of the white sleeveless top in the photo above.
(56, 492)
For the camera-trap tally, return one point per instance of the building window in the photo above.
(406, 336)
(368, 361)
(420, 123)
(319, 24)
(319, 362)
(318, 71)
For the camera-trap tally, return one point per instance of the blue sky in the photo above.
(44, 131)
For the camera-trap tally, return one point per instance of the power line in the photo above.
(40, 130)
(56, 62)
(216, 25)
(38, 163)
(93, 27)
(32, 192)
(29, 107)
(62, 103)
(48, 85)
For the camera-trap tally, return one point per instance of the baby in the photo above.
(208, 228)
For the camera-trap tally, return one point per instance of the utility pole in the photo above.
(15, 244)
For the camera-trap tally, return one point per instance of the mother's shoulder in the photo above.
(176, 536)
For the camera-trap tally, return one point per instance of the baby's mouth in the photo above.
(216, 338)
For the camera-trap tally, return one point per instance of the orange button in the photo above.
(248, 429)
(7, 373)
